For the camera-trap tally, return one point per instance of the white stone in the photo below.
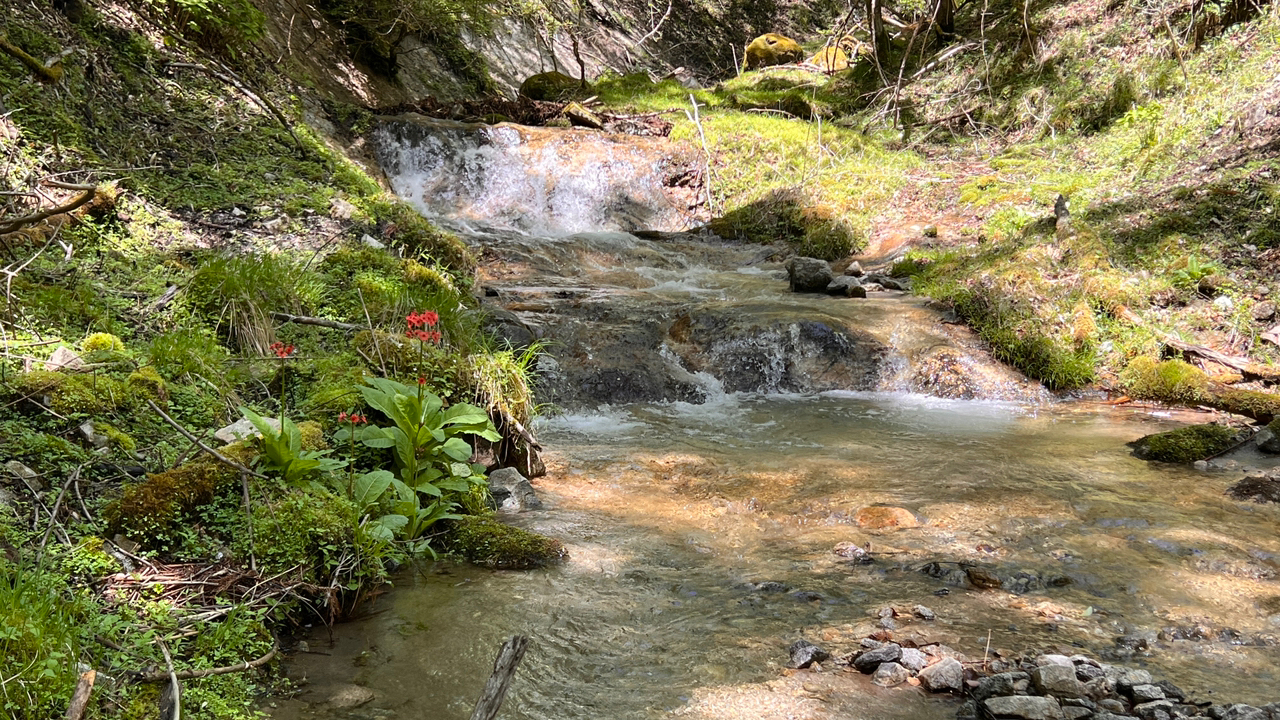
(241, 429)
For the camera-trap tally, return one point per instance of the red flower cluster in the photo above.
(353, 417)
(281, 350)
(428, 319)
(431, 336)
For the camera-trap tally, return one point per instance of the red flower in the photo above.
(342, 417)
(359, 418)
(281, 350)
(430, 317)
(436, 336)
(422, 380)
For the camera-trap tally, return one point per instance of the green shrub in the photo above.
(239, 294)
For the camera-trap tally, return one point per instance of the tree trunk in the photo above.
(946, 17)
(875, 27)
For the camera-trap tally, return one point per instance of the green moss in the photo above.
(117, 438)
(488, 542)
(74, 394)
(102, 342)
(153, 511)
(1171, 381)
(407, 229)
(553, 86)
(146, 383)
(1186, 445)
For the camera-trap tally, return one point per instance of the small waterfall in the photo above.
(536, 180)
(675, 317)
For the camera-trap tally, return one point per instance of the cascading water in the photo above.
(719, 436)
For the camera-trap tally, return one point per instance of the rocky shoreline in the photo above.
(1048, 686)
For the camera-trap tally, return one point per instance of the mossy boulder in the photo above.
(69, 394)
(490, 543)
(1188, 444)
(772, 49)
(830, 59)
(551, 86)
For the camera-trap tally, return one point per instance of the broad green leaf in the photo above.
(369, 487)
(376, 437)
(460, 469)
(464, 414)
(458, 449)
(454, 484)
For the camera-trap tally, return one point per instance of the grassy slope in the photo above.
(1171, 179)
(203, 191)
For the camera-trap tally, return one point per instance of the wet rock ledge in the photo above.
(1041, 687)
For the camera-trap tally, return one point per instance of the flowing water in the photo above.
(719, 437)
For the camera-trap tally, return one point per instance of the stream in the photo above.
(717, 437)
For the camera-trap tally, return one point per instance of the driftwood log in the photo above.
(504, 668)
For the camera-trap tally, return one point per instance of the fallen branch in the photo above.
(504, 668)
(173, 678)
(80, 700)
(160, 676)
(214, 453)
(320, 322)
(230, 78)
(943, 57)
(1246, 367)
(46, 73)
(19, 223)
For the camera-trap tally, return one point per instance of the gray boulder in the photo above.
(1241, 711)
(1267, 441)
(868, 661)
(913, 660)
(845, 286)
(512, 492)
(1162, 710)
(1146, 693)
(1023, 707)
(242, 429)
(890, 674)
(854, 269)
(1005, 683)
(946, 675)
(804, 653)
(808, 274)
(1059, 680)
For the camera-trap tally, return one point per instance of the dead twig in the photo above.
(319, 322)
(80, 699)
(18, 223)
(173, 678)
(210, 672)
(214, 453)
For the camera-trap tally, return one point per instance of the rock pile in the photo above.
(1043, 687)
(811, 275)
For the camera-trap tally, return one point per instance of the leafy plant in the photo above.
(282, 453)
(430, 453)
(1193, 271)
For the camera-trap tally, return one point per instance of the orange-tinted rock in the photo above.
(883, 517)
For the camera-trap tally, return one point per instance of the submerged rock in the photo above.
(347, 697)
(808, 274)
(884, 517)
(490, 543)
(846, 286)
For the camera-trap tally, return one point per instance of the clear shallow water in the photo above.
(670, 510)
